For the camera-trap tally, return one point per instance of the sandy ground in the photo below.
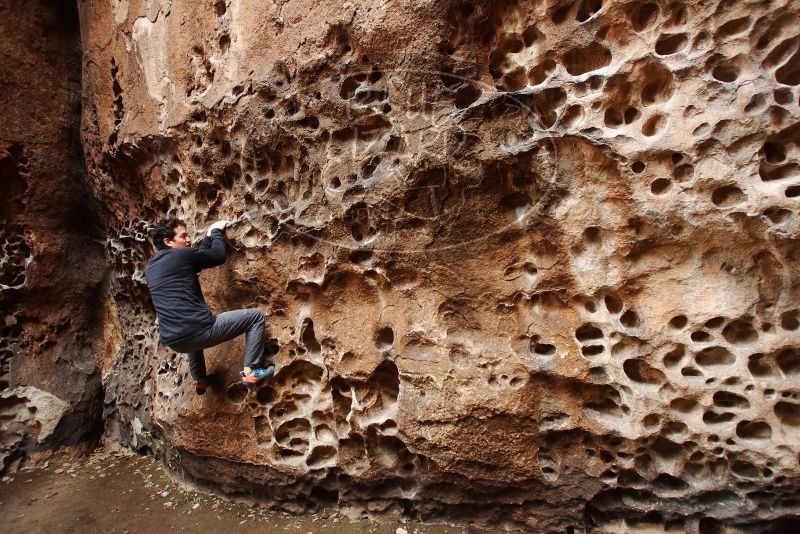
(125, 494)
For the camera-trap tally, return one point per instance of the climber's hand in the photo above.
(219, 225)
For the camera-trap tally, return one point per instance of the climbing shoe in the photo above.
(255, 376)
(203, 384)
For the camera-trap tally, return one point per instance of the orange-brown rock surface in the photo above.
(526, 264)
(52, 260)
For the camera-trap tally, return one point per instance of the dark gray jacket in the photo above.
(171, 276)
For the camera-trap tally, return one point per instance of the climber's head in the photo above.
(171, 233)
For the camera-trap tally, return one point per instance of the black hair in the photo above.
(165, 229)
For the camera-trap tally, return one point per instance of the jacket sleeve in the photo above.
(211, 252)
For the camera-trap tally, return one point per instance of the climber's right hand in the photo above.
(219, 225)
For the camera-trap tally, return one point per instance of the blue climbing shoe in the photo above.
(255, 376)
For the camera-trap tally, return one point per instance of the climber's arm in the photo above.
(211, 252)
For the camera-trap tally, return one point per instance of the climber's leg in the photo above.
(233, 323)
(197, 365)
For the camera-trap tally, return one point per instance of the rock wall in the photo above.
(51, 266)
(526, 264)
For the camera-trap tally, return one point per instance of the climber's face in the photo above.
(181, 239)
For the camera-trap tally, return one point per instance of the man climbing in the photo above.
(185, 321)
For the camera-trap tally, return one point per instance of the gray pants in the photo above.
(226, 326)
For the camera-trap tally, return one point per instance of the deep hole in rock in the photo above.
(667, 482)
(642, 373)
(266, 395)
(321, 455)
(783, 96)
(789, 73)
(361, 256)
(592, 350)
(753, 430)
(678, 322)
(778, 215)
(769, 173)
(691, 372)
(671, 43)
(725, 72)
(660, 186)
(790, 320)
(728, 196)
(714, 356)
(582, 60)
(384, 338)
(740, 331)
(466, 96)
(659, 88)
(700, 336)
(788, 361)
(726, 399)
(788, 413)
(666, 449)
(759, 366)
(713, 418)
(733, 27)
(236, 393)
(630, 115)
(572, 116)
(309, 337)
(756, 104)
(540, 72)
(592, 234)
(598, 374)
(514, 80)
(224, 45)
(546, 104)
(673, 358)
(588, 332)
(613, 118)
(294, 433)
(774, 152)
(744, 469)
(613, 303)
(587, 9)
(531, 35)
(653, 125)
(683, 173)
(644, 15)
(684, 405)
(630, 319)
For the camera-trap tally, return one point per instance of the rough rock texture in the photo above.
(530, 264)
(51, 265)
(30, 416)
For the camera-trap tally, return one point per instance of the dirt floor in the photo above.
(125, 494)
